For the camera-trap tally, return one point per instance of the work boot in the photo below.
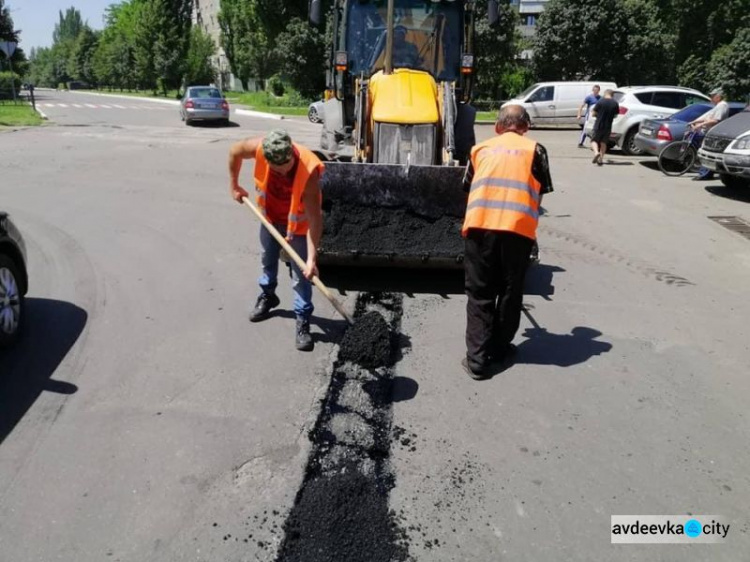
(304, 341)
(476, 374)
(263, 306)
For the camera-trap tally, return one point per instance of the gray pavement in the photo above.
(148, 420)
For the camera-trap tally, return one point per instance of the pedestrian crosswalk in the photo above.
(147, 107)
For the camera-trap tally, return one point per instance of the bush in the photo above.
(7, 81)
(62, 86)
(276, 86)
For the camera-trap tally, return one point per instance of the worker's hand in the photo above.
(311, 268)
(238, 193)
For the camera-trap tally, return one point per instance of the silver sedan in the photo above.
(204, 103)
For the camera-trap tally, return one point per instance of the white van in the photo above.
(556, 103)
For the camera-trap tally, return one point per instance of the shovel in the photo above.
(298, 260)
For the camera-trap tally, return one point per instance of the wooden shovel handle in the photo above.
(298, 260)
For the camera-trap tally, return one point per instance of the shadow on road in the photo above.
(720, 190)
(51, 329)
(539, 280)
(213, 124)
(650, 164)
(564, 350)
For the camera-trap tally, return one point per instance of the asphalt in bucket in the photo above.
(341, 511)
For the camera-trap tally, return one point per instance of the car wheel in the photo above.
(734, 182)
(312, 115)
(11, 302)
(628, 144)
(187, 122)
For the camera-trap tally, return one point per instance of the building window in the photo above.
(528, 19)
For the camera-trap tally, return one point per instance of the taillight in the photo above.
(189, 104)
(623, 110)
(664, 133)
(225, 105)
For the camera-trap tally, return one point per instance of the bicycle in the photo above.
(680, 156)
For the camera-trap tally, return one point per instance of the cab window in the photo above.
(547, 93)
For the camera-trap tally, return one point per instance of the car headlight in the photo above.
(742, 143)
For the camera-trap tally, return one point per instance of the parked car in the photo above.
(14, 281)
(556, 103)
(204, 103)
(655, 134)
(726, 150)
(315, 111)
(638, 103)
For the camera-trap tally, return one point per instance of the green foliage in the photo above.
(172, 18)
(198, 66)
(8, 33)
(8, 81)
(496, 48)
(301, 50)
(582, 39)
(729, 67)
(81, 61)
(68, 27)
(650, 55)
(275, 85)
(515, 80)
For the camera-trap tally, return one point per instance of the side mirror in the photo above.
(493, 12)
(315, 12)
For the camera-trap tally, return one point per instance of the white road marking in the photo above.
(91, 105)
(78, 106)
(119, 106)
(62, 105)
(105, 106)
(47, 104)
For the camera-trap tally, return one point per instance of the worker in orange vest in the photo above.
(287, 191)
(506, 178)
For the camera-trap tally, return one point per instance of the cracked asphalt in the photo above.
(143, 418)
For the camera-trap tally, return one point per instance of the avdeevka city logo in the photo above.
(693, 528)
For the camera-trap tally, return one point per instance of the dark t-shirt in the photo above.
(606, 110)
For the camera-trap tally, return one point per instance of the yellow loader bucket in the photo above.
(392, 215)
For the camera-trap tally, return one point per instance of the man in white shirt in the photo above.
(704, 123)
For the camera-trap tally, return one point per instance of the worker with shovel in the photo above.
(288, 196)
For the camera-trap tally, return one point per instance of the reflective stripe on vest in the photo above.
(308, 164)
(504, 195)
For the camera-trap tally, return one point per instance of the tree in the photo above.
(68, 27)
(198, 66)
(81, 61)
(8, 33)
(582, 39)
(145, 35)
(172, 38)
(650, 54)
(496, 50)
(729, 67)
(301, 49)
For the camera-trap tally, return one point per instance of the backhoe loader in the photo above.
(397, 131)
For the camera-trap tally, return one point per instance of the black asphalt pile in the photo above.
(378, 230)
(368, 342)
(341, 512)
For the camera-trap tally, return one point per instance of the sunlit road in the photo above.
(144, 418)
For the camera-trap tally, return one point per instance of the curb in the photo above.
(41, 113)
(251, 113)
(122, 97)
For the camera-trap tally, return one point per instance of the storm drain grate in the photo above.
(735, 224)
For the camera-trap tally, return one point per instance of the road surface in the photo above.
(144, 418)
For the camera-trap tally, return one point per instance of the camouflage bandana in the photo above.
(277, 147)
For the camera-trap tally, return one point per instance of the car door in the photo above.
(541, 105)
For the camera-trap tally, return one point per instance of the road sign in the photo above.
(8, 47)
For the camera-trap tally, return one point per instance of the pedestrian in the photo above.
(287, 188)
(605, 112)
(506, 177)
(588, 102)
(703, 124)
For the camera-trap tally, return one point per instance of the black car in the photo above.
(14, 281)
(726, 150)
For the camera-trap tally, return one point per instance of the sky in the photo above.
(37, 18)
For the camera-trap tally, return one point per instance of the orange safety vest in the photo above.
(504, 193)
(308, 165)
